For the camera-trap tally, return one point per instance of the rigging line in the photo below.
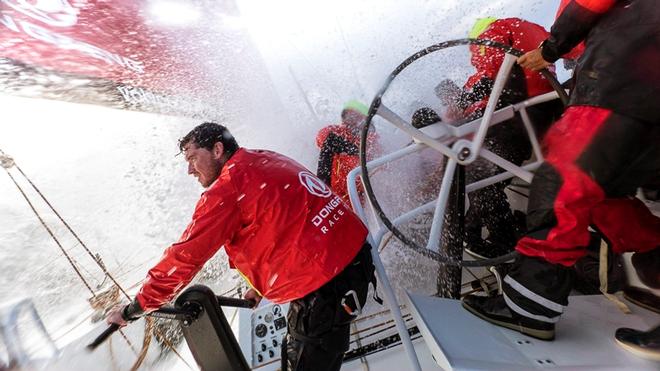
(74, 327)
(407, 321)
(6, 167)
(50, 232)
(405, 316)
(171, 346)
(358, 342)
(123, 272)
(131, 257)
(402, 307)
(159, 334)
(43, 223)
(128, 342)
(80, 266)
(235, 288)
(148, 324)
(96, 259)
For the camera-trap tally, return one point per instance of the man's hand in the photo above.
(252, 295)
(116, 316)
(533, 60)
(122, 314)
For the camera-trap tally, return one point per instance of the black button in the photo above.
(261, 330)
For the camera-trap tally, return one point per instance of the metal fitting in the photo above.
(463, 154)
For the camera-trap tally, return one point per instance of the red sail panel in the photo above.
(108, 39)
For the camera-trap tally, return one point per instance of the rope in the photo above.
(164, 339)
(407, 320)
(358, 342)
(7, 162)
(50, 232)
(95, 257)
(235, 288)
(148, 325)
(406, 317)
(602, 275)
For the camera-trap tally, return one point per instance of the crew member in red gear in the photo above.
(287, 233)
(517, 33)
(489, 206)
(340, 146)
(606, 145)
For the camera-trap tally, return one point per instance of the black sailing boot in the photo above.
(646, 265)
(644, 344)
(495, 311)
(643, 298)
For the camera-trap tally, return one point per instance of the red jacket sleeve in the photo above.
(323, 135)
(577, 51)
(572, 26)
(213, 224)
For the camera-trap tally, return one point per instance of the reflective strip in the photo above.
(514, 307)
(524, 291)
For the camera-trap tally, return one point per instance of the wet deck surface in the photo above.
(584, 339)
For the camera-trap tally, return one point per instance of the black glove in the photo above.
(132, 311)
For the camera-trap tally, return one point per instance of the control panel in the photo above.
(268, 330)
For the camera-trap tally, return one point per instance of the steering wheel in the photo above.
(459, 152)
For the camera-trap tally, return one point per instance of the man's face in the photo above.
(353, 119)
(203, 164)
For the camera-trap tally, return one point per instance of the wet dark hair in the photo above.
(424, 117)
(207, 135)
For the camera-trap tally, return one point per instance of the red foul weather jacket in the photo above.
(339, 155)
(282, 228)
(519, 34)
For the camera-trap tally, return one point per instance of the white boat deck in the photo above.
(459, 340)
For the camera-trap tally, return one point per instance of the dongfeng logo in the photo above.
(58, 13)
(314, 185)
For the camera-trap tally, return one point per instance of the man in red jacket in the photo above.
(489, 206)
(287, 233)
(606, 145)
(339, 147)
